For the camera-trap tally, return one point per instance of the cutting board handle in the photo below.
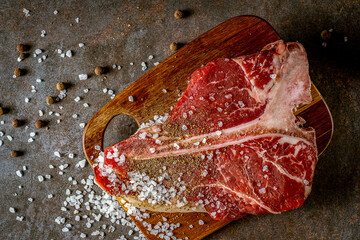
(94, 131)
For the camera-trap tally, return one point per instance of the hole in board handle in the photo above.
(119, 128)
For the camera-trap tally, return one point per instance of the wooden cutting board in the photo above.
(237, 36)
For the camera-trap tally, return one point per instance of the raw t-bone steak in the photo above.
(231, 146)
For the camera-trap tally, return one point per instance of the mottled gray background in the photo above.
(120, 32)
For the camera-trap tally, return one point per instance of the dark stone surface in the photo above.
(120, 32)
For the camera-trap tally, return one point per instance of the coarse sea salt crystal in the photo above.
(40, 178)
(27, 100)
(38, 51)
(81, 163)
(81, 45)
(12, 210)
(32, 134)
(56, 12)
(57, 154)
(81, 125)
(27, 12)
(38, 80)
(83, 76)
(201, 222)
(77, 99)
(262, 190)
(19, 173)
(30, 140)
(10, 138)
(69, 54)
(131, 98)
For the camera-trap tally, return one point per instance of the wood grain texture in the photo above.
(234, 37)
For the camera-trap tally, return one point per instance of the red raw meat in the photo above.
(230, 146)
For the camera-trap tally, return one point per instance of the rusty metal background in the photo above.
(120, 32)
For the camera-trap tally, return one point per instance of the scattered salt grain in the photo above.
(81, 45)
(27, 12)
(151, 57)
(77, 99)
(38, 80)
(41, 113)
(83, 76)
(152, 150)
(105, 90)
(12, 210)
(74, 115)
(10, 138)
(71, 155)
(50, 196)
(24, 168)
(27, 100)
(345, 39)
(69, 54)
(40, 178)
(38, 51)
(19, 173)
(201, 222)
(164, 90)
(77, 20)
(19, 218)
(131, 63)
(272, 76)
(262, 190)
(156, 63)
(51, 166)
(30, 140)
(57, 154)
(81, 163)
(218, 133)
(131, 98)
(30, 199)
(86, 90)
(56, 12)
(43, 33)
(81, 125)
